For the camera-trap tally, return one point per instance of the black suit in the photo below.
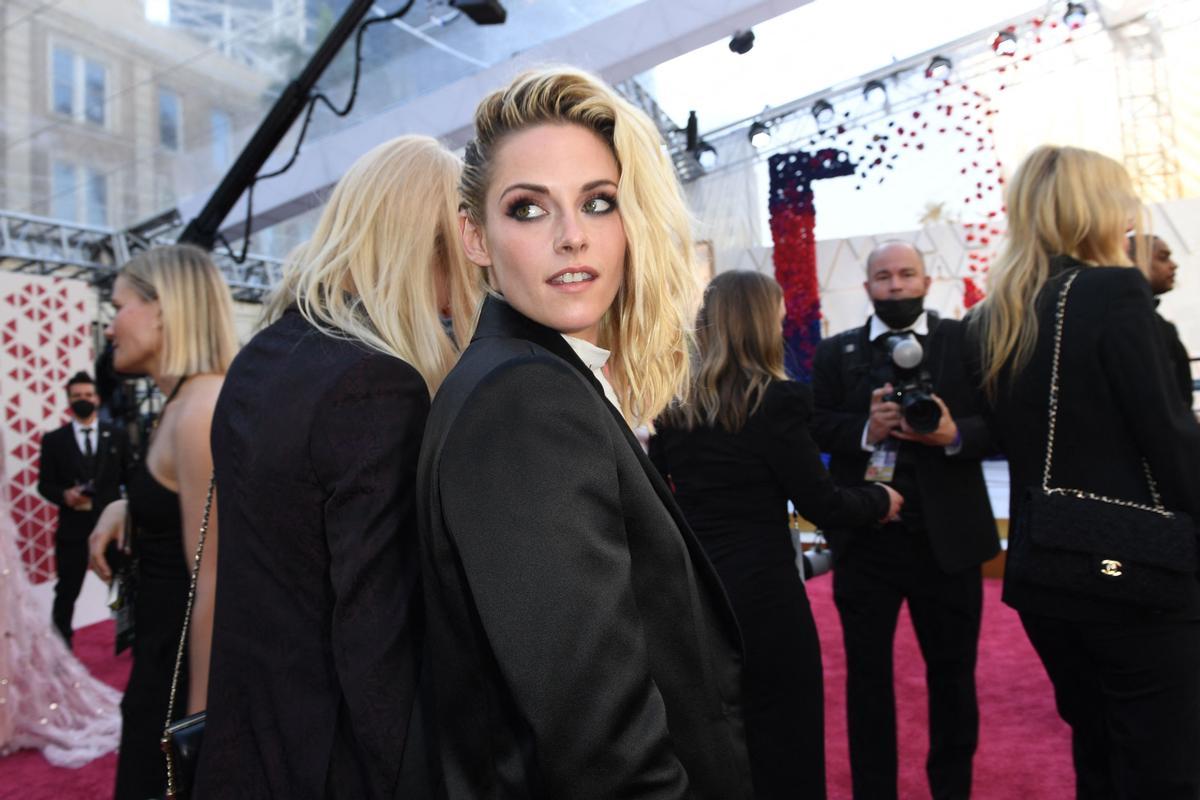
(931, 558)
(61, 467)
(1127, 680)
(583, 645)
(1178, 361)
(316, 655)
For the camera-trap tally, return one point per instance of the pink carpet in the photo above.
(1024, 748)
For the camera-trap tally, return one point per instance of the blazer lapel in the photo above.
(498, 318)
(103, 442)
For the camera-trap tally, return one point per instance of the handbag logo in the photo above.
(1111, 568)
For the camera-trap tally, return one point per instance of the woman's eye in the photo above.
(599, 205)
(525, 211)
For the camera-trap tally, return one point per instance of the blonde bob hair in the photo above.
(647, 327)
(386, 241)
(194, 304)
(740, 351)
(1061, 201)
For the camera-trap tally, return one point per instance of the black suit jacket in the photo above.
(1117, 405)
(583, 645)
(953, 495)
(1178, 361)
(61, 467)
(317, 635)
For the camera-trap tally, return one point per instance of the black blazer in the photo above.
(1117, 405)
(583, 645)
(317, 635)
(953, 495)
(61, 467)
(1178, 361)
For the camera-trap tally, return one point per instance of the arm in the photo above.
(364, 445)
(530, 497)
(192, 456)
(796, 462)
(52, 484)
(834, 428)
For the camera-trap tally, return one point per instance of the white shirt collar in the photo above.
(79, 426)
(594, 358)
(878, 328)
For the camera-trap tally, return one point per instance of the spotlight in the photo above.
(742, 41)
(693, 132)
(875, 92)
(823, 112)
(482, 12)
(939, 68)
(706, 154)
(760, 135)
(1005, 43)
(1075, 16)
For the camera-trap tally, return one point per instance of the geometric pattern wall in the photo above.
(45, 337)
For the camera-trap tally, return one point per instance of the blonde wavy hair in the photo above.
(387, 239)
(647, 328)
(195, 305)
(739, 349)
(1061, 201)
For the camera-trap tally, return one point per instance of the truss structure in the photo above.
(246, 31)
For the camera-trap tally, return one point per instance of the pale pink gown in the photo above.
(48, 700)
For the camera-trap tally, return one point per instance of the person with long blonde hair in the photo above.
(736, 452)
(581, 643)
(1089, 410)
(173, 322)
(317, 646)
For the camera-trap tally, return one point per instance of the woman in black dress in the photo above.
(174, 322)
(737, 451)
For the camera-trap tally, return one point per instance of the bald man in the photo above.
(930, 557)
(1161, 274)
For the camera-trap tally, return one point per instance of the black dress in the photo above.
(161, 600)
(734, 488)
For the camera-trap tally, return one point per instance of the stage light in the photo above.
(706, 154)
(693, 132)
(939, 68)
(760, 135)
(742, 41)
(875, 92)
(823, 112)
(1075, 16)
(482, 12)
(1005, 43)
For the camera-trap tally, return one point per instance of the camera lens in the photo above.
(921, 412)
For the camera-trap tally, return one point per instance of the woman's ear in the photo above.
(474, 241)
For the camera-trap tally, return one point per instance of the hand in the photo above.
(945, 433)
(895, 503)
(884, 418)
(110, 528)
(74, 498)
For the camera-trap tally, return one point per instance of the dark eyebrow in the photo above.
(539, 189)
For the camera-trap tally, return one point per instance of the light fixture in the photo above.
(874, 91)
(760, 134)
(741, 42)
(482, 12)
(822, 111)
(706, 154)
(939, 68)
(1075, 15)
(701, 150)
(1005, 43)
(693, 132)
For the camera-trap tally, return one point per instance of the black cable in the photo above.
(318, 97)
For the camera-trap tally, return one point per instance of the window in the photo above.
(222, 139)
(78, 194)
(78, 86)
(169, 119)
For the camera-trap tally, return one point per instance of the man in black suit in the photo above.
(1161, 275)
(83, 465)
(931, 556)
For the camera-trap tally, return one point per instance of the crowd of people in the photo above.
(441, 564)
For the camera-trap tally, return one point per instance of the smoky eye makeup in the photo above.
(523, 209)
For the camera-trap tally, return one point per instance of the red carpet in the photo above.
(1024, 749)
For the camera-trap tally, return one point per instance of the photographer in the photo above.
(894, 405)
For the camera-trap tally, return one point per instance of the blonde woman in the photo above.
(174, 322)
(736, 454)
(581, 644)
(1124, 674)
(317, 645)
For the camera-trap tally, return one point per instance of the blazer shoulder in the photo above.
(787, 397)
(1108, 283)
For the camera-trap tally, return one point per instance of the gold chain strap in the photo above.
(187, 619)
(1157, 508)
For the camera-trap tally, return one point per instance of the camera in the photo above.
(912, 388)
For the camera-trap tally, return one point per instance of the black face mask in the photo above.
(899, 314)
(83, 408)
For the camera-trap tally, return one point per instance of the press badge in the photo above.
(882, 466)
